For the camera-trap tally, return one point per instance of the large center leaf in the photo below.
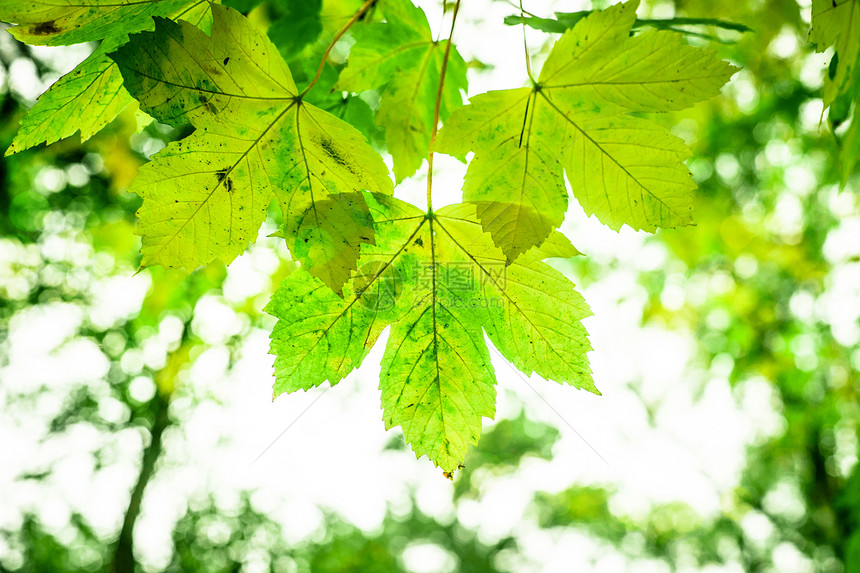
(205, 197)
(440, 283)
(576, 119)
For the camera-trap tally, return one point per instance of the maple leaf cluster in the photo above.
(443, 282)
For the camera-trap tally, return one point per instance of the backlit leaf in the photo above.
(206, 196)
(65, 22)
(563, 21)
(576, 119)
(85, 100)
(91, 95)
(836, 23)
(400, 59)
(441, 285)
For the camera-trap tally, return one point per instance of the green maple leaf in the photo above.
(91, 95)
(297, 25)
(576, 119)
(849, 146)
(400, 58)
(66, 22)
(84, 100)
(836, 23)
(563, 21)
(205, 197)
(440, 284)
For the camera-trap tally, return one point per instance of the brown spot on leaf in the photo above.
(328, 146)
(45, 28)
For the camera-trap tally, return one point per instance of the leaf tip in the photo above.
(449, 474)
(19, 144)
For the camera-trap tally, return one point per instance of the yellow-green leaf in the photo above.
(535, 318)
(91, 95)
(836, 23)
(517, 180)
(84, 100)
(65, 22)
(577, 119)
(255, 140)
(630, 171)
(437, 383)
(322, 337)
(441, 284)
(400, 59)
(599, 62)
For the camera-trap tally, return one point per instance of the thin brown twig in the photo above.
(355, 18)
(514, 4)
(438, 107)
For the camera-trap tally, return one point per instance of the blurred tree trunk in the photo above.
(123, 561)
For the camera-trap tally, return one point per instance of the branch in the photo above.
(355, 18)
(438, 107)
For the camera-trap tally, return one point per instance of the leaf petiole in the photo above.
(355, 18)
(438, 107)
